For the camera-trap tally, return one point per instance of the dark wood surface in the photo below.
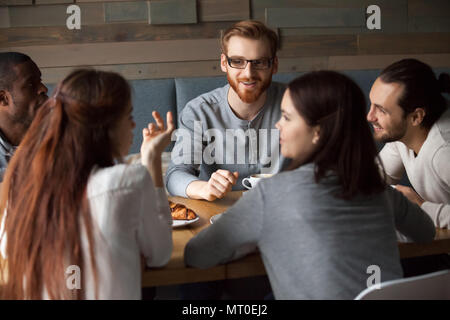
(176, 272)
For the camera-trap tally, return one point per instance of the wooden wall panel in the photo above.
(53, 15)
(121, 52)
(172, 11)
(381, 61)
(429, 16)
(84, 1)
(407, 43)
(431, 8)
(38, 2)
(145, 70)
(36, 16)
(429, 24)
(286, 32)
(394, 13)
(223, 10)
(315, 17)
(212, 67)
(126, 11)
(315, 34)
(16, 2)
(109, 33)
(307, 45)
(4, 18)
(302, 64)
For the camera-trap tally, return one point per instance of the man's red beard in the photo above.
(249, 96)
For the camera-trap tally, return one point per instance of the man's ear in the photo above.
(223, 63)
(5, 98)
(417, 116)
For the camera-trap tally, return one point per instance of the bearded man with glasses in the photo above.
(249, 103)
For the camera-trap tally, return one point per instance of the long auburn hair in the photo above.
(346, 146)
(44, 189)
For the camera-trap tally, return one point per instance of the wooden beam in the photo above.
(223, 10)
(121, 52)
(114, 32)
(172, 11)
(315, 17)
(317, 45)
(362, 62)
(405, 43)
(145, 70)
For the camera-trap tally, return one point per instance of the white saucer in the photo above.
(214, 218)
(180, 223)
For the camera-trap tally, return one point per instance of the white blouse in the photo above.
(130, 218)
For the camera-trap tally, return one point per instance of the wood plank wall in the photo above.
(179, 38)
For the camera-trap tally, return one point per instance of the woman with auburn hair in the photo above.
(71, 206)
(334, 218)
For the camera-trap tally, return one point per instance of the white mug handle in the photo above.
(247, 186)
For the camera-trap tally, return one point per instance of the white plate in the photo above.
(180, 223)
(214, 218)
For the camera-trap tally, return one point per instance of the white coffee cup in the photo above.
(252, 181)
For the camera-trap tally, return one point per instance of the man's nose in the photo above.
(371, 115)
(249, 70)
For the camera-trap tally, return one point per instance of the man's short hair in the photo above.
(252, 30)
(421, 88)
(7, 62)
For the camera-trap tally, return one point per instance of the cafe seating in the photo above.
(172, 94)
(431, 286)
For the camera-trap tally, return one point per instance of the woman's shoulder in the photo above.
(119, 176)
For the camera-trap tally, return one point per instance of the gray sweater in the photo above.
(313, 245)
(212, 137)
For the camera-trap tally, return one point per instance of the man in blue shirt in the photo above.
(21, 94)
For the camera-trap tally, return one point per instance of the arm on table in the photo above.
(230, 237)
(409, 219)
(391, 163)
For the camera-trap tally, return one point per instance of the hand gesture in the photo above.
(219, 184)
(156, 137)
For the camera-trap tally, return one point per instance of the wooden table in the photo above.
(175, 272)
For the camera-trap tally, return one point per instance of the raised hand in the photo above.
(156, 137)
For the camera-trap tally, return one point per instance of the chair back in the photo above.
(431, 286)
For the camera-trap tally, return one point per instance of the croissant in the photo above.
(180, 212)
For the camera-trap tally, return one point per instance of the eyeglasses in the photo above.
(258, 64)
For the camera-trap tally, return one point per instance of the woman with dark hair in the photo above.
(71, 209)
(322, 225)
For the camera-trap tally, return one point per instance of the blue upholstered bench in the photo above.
(173, 94)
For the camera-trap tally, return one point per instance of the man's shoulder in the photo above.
(443, 126)
(215, 96)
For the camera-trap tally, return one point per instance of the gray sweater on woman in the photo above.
(313, 245)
